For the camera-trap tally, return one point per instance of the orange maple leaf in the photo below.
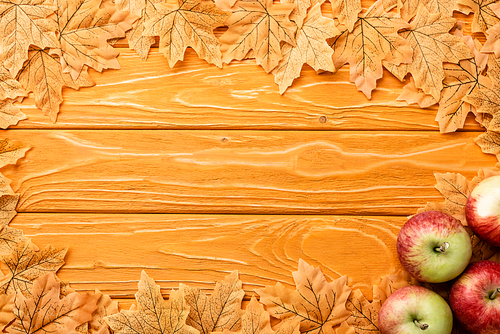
(318, 305)
(261, 26)
(484, 17)
(346, 11)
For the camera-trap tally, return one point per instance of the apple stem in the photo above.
(419, 325)
(443, 247)
(494, 294)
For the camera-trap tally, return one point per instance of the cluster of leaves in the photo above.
(46, 45)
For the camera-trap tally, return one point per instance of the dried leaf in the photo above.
(11, 151)
(480, 250)
(461, 80)
(300, 11)
(311, 48)
(484, 17)
(218, 312)
(9, 238)
(255, 320)
(188, 23)
(145, 10)
(346, 11)
(9, 87)
(6, 310)
(105, 307)
(374, 38)
(152, 314)
(44, 312)
(43, 76)
(390, 283)
(411, 94)
(320, 305)
(288, 327)
(432, 45)
(10, 114)
(492, 44)
(364, 315)
(8, 205)
(408, 8)
(24, 23)
(84, 27)
(27, 264)
(261, 26)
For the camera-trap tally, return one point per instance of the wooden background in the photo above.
(192, 172)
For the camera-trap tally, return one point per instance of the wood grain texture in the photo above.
(357, 173)
(109, 251)
(196, 95)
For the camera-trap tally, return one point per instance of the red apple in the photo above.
(434, 247)
(415, 310)
(475, 298)
(482, 210)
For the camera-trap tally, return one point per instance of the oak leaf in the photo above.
(346, 11)
(188, 23)
(432, 45)
(318, 304)
(24, 23)
(26, 264)
(45, 312)
(261, 26)
(461, 80)
(408, 8)
(311, 48)
(42, 75)
(219, 311)
(6, 310)
(373, 39)
(484, 17)
(152, 314)
(145, 10)
(364, 315)
(8, 205)
(492, 44)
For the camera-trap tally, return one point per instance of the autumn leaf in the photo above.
(311, 48)
(42, 75)
(219, 311)
(346, 11)
(484, 17)
(24, 23)
(6, 310)
(10, 152)
(9, 87)
(26, 263)
(45, 312)
(255, 320)
(390, 283)
(105, 307)
(9, 238)
(461, 80)
(364, 315)
(145, 10)
(10, 114)
(8, 205)
(374, 38)
(318, 304)
(188, 23)
(480, 250)
(261, 26)
(432, 45)
(152, 314)
(492, 44)
(411, 94)
(408, 8)
(299, 13)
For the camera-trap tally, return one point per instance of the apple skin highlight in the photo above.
(415, 303)
(418, 240)
(482, 210)
(470, 298)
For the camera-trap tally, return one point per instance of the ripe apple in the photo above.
(482, 210)
(414, 309)
(434, 247)
(475, 298)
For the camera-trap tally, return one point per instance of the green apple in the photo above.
(434, 247)
(415, 310)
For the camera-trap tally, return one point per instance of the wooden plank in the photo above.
(196, 95)
(109, 251)
(264, 172)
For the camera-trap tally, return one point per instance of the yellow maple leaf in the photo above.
(408, 8)
(484, 17)
(218, 312)
(22, 24)
(45, 312)
(187, 23)
(492, 44)
(255, 320)
(320, 305)
(42, 75)
(10, 114)
(432, 46)
(364, 315)
(8, 205)
(373, 39)
(390, 283)
(6, 310)
(311, 48)
(153, 315)
(261, 26)
(346, 11)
